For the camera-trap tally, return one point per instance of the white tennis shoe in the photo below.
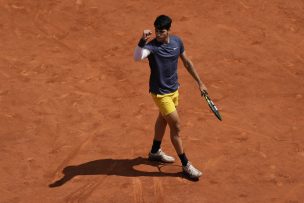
(161, 156)
(192, 172)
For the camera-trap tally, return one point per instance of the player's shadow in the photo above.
(119, 167)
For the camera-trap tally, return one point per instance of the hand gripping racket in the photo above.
(211, 105)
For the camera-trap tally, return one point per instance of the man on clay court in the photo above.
(163, 53)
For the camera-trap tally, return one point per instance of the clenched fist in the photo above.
(146, 34)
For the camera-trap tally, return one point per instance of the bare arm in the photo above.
(190, 68)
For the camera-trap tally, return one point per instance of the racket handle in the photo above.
(204, 92)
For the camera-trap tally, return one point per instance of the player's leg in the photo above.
(159, 132)
(174, 124)
(160, 127)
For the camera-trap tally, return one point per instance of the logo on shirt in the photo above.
(174, 48)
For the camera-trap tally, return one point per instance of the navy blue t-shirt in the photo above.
(163, 64)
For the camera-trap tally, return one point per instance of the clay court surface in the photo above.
(77, 120)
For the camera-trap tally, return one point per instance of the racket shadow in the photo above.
(118, 167)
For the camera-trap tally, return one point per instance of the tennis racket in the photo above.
(211, 105)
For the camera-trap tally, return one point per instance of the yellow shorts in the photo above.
(166, 103)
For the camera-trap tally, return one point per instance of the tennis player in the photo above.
(163, 52)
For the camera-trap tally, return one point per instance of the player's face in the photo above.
(161, 35)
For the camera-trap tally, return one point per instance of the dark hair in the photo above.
(162, 22)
